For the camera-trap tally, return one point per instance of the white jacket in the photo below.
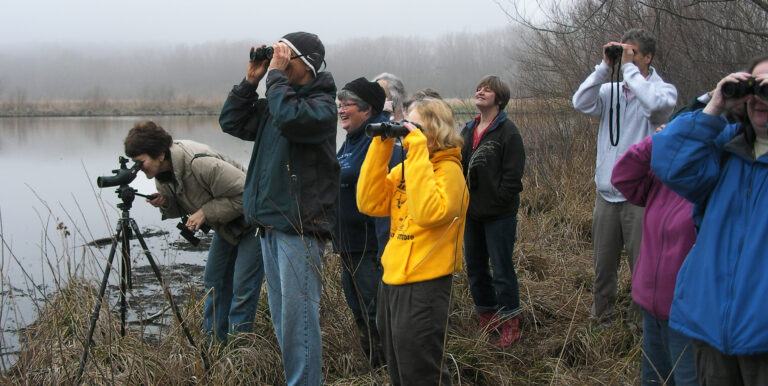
(651, 104)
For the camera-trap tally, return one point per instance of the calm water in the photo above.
(48, 168)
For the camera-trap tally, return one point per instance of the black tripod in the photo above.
(125, 226)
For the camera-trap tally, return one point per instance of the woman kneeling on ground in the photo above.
(426, 199)
(193, 179)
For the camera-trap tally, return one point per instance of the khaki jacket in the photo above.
(427, 218)
(204, 178)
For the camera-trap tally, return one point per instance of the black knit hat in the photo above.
(308, 47)
(370, 92)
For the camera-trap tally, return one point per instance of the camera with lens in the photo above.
(614, 52)
(188, 234)
(123, 176)
(742, 88)
(388, 129)
(262, 53)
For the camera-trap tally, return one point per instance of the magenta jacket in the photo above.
(668, 229)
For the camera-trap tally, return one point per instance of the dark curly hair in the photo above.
(149, 138)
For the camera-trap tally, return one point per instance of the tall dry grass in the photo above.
(553, 257)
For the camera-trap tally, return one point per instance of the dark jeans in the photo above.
(715, 368)
(412, 321)
(360, 277)
(492, 242)
(667, 355)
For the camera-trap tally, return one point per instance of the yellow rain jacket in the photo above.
(427, 219)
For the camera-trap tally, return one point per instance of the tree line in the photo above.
(451, 64)
(699, 41)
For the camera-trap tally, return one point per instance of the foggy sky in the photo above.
(141, 22)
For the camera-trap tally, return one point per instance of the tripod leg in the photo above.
(125, 273)
(97, 307)
(167, 293)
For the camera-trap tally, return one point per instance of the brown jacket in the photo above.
(204, 178)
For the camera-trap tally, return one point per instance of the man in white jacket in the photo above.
(645, 102)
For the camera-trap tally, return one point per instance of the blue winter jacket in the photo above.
(721, 296)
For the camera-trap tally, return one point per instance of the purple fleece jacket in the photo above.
(668, 229)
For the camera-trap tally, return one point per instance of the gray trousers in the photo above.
(412, 320)
(614, 225)
(715, 368)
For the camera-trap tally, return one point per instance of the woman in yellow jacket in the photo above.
(426, 198)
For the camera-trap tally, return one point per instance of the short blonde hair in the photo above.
(438, 124)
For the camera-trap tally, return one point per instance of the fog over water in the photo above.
(170, 50)
(198, 21)
(452, 64)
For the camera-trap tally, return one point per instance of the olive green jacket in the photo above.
(204, 178)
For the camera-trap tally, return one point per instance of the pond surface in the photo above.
(51, 208)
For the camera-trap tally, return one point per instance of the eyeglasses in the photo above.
(345, 106)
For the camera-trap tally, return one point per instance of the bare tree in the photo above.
(699, 40)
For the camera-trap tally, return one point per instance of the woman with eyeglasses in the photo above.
(355, 235)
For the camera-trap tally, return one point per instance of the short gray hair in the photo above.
(346, 95)
(644, 40)
(396, 89)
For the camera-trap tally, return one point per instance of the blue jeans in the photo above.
(293, 267)
(666, 351)
(492, 242)
(232, 278)
(360, 278)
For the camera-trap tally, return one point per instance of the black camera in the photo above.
(123, 176)
(188, 234)
(742, 88)
(262, 53)
(388, 129)
(614, 52)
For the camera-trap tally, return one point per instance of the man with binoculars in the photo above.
(292, 186)
(642, 103)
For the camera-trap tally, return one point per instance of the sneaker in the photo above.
(510, 332)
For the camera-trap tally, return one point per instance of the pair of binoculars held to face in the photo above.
(742, 88)
(389, 129)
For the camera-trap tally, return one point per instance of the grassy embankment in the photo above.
(554, 264)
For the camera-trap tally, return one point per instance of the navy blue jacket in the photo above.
(292, 183)
(722, 287)
(354, 232)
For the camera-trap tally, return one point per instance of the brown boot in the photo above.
(510, 332)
